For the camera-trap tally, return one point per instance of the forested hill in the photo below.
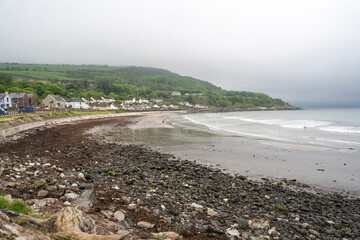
(122, 83)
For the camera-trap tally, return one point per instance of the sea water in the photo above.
(319, 147)
(333, 128)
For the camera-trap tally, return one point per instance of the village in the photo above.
(13, 102)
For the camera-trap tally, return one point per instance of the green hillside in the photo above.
(122, 83)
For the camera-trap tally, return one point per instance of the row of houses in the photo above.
(175, 93)
(17, 100)
(103, 103)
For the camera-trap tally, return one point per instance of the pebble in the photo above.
(81, 176)
(131, 206)
(232, 232)
(42, 193)
(198, 207)
(143, 224)
(119, 215)
(71, 196)
(211, 212)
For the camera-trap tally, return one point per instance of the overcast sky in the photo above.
(305, 52)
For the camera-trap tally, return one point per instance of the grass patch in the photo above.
(345, 229)
(16, 206)
(47, 216)
(279, 208)
(258, 204)
(112, 173)
(61, 114)
(21, 221)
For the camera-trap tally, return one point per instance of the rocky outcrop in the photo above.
(12, 231)
(70, 223)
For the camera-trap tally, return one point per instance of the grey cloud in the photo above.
(304, 52)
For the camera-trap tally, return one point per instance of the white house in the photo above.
(142, 100)
(5, 100)
(186, 104)
(76, 103)
(97, 100)
(176, 93)
(156, 100)
(54, 101)
(108, 99)
(130, 100)
(200, 106)
(113, 107)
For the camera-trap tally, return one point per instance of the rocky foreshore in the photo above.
(133, 192)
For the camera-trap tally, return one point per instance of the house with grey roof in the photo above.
(19, 99)
(76, 103)
(5, 100)
(54, 101)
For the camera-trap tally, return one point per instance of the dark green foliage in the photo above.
(122, 83)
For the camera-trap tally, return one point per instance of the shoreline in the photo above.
(207, 154)
(175, 194)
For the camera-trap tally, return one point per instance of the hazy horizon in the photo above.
(304, 52)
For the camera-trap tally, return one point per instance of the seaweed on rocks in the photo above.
(194, 200)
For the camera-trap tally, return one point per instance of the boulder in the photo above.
(10, 230)
(89, 194)
(71, 224)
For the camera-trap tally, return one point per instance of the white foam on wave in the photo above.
(341, 129)
(285, 123)
(222, 129)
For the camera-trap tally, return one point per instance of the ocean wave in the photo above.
(285, 123)
(223, 129)
(341, 129)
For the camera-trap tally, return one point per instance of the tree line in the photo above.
(125, 82)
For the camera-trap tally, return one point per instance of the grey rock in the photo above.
(119, 215)
(144, 224)
(42, 193)
(71, 196)
(259, 223)
(39, 183)
(89, 225)
(313, 232)
(82, 202)
(89, 194)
